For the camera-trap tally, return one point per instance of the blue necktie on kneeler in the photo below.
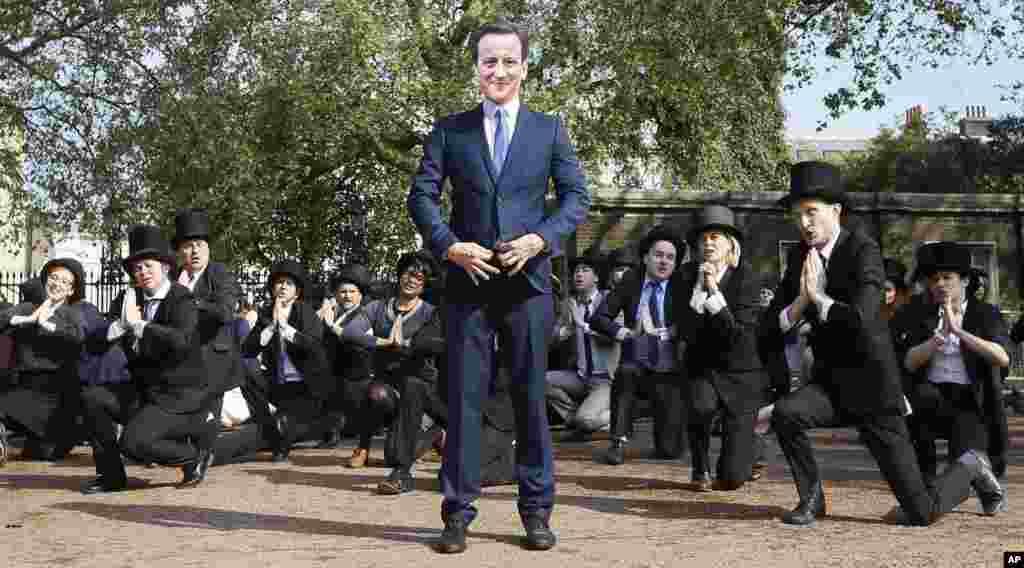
(500, 143)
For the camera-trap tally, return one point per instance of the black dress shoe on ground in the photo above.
(538, 534)
(453, 537)
(399, 481)
(194, 473)
(616, 454)
(103, 485)
(808, 510)
(701, 482)
(987, 486)
(331, 440)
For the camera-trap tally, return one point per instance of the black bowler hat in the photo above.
(355, 274)
(293, 270)
(591, 258)
(76, 269)
(814, 180)
(191, 224)
(716, 217)
(943, 256)
(145, 242)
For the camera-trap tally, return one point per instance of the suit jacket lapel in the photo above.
(485, 148)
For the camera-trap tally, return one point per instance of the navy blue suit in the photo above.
(487, 208)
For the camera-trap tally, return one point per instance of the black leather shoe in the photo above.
(808, 510)
(701, 481)
(103, 485)
(194, 473)
(616, 454)
(538, 534)
(453, 537)
(399, 481)
(332, 440)
(987, 486)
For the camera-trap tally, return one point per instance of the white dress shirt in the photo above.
(947, 364)
(508, 125)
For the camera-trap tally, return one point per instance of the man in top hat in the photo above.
(499, 160)
(215, 292)
(718, 326)
(620, 261)
(165, 406)
(581, 394)
(896, 292)
(954, 348)
(48, 338)
(646, 300)
(833, 281)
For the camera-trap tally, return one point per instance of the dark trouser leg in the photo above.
(737, 457)
(232, 446)
(405, 429)
(297, 411)
(524, 330)
(704, 402)
(207, 435)
(889, 442)
(155, 435)
(794, 414)
(670, 415)
(377, 409)
(105, 406)
(564, 390)
(623, 397)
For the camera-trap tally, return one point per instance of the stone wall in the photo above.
(898, 221)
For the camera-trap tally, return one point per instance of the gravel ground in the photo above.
(314, 512)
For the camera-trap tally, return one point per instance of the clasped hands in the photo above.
(951, 323)
(812, 280)
(394, 340)
(477, 261)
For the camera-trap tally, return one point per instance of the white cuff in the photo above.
(138, 327)
(338, 329)
(287, 332)
(784, 323)
(21, 320)
(621, 335)
(48, 325)
(824, 305)
(715, 303)
(116, 330)
(265, 336)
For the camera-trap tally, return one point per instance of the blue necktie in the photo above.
(652, 307)
(500, 144)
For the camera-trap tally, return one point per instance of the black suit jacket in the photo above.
(216, 295)
(853, 352)
(625, 298)
(306, 351)
(349, 360)
(722, 347)
(168, 365)
(917, 321)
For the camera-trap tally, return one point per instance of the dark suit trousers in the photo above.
(151, 434)
(665, 391)
(737, 455)
(886, 437)
(947, 411)
(522, 319)
(418, 397)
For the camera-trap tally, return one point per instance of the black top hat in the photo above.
(32, 291)
(76, 269)
(146, 241)
(355, 274)
(291, 269)
(896, 273)
(814, 180)
(663, 233)
(421, 257)
(942, 256)
(590, 257)
(717, 217)
(191, 224)
(624, 256)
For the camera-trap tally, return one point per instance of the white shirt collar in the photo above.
(511, 109)
(826, 251)
(161, 292)
(594, 296)
(193, 278)
(661, 283)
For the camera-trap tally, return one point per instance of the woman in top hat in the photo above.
(48, 338)
(953, 346)
(718, 327)
(164, 406)
(289, 336)
(406, 340)
(834, 281)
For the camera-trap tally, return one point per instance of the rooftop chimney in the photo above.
(976, 122)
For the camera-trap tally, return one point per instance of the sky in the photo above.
(953, 86)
